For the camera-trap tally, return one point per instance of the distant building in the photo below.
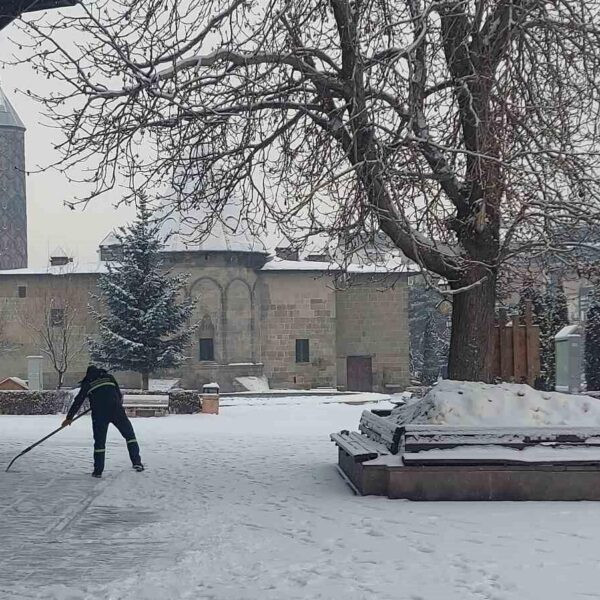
(257, 315)
(13, 384)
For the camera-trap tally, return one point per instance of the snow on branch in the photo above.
(466, 132)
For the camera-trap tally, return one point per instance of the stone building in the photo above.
(279, 317)
(13, 211)
(288, 320)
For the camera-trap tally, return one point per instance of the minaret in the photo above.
(13, 207)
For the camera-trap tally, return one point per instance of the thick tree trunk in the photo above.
(145, 377)
(473, 314)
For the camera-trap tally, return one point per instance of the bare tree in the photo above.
(465, 131)
(6, 344)
(55, 323)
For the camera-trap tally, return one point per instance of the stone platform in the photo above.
(433, 462)
(388, 476)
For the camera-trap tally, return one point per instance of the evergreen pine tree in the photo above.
(422, 313)
(592, 344)
(550, 313)
(532, 294)
(431, 366)
(145, 325)
(557, 318)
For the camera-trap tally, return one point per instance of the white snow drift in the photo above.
(504, 405)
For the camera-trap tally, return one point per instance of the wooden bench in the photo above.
(427, 437)
(381, 430)
(445, 445)
(357, 446)
(136, 405)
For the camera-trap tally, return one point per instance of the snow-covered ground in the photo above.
(248, 505)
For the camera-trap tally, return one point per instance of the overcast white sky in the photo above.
(50, 223)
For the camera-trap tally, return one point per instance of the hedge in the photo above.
(23, 402)
(184, 402)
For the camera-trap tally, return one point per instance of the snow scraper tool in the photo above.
(43, 440)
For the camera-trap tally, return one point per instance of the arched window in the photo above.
(206, 343)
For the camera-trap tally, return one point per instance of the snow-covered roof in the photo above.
(183, 232)
(71, 268)
(17, 380)
(8, 115)
(59, 252)
(392, 266)
(568, 331)
(220, 239)
(110, 240)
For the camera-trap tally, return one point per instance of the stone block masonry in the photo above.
(372, 321)
(298, 306)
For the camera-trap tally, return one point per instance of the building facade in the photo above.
(287, 320)
(280, 318)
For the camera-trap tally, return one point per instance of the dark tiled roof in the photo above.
(11, 9)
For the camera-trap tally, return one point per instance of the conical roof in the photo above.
(8, 115)
(180, 231)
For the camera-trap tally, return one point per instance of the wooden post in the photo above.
(516, 349)
(506, 359)
(533, 344)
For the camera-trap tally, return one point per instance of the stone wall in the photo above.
(372, 321)
(296, 305)
(43, 292)
(254, 317)
(197, 374)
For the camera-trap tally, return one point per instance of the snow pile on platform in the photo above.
(162, 385)
(475, 404)
(254, 384)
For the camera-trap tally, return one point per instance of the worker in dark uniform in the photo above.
(106, 402)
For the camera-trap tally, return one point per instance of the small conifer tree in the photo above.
(145, 326)
(592, 344)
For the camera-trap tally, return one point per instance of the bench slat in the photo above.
(502, 455)
(358, 446)
(425, 437)
(381, 430)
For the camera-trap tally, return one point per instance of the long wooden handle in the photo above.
(44, 439)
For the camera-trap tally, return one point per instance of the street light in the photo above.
(444, 306)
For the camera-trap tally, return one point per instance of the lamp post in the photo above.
(444, 306)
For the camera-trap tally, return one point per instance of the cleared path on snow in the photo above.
(248, 505)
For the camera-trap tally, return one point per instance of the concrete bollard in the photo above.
(35, 373)
(210, 398)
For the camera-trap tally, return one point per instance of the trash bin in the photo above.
(569, 355)
(210, 398)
